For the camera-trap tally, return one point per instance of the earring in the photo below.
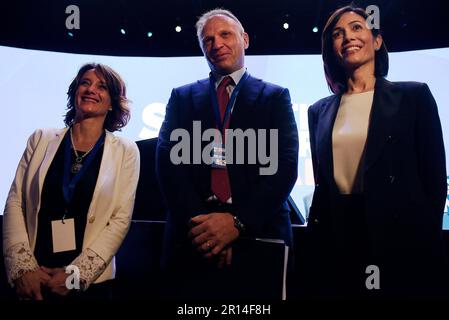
(110, 109)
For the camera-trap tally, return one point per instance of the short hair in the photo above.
(335, 74)
(210, 14)
(120, 114)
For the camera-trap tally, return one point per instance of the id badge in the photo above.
(63, 235)
(219, 157)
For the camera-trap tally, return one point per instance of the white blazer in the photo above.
(110, 211)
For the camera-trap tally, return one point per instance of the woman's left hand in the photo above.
(57, 283)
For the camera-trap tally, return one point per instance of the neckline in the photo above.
(358, 93)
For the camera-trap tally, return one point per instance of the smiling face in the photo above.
(354, 44)
(92, 97)
(224, 44)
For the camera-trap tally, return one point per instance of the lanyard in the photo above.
(68, 186)
(213, 94)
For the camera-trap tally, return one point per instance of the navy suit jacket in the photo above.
(259, 201)
(404, 173)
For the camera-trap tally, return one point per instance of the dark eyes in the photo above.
(339, 33)
(85, 82)
(223, 34)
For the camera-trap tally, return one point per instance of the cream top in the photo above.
(349, 138)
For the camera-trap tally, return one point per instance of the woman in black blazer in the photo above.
(375, 222)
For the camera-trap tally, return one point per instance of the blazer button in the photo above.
(91, 219)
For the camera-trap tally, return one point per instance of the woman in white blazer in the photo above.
(70, 204)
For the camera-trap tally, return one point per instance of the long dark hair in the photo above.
(335, 74)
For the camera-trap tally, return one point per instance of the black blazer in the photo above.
(259, 201)
(404, 172)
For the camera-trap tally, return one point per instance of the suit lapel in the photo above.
(386, 103)
(324, 137)
(202, 111)
(50, 152)
(202, 104)
(108, 163)
(245, 104)
(108, 168)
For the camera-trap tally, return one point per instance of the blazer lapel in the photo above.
(202, 104)
(245, 103)
(324, 137)
(108, 167)
(50, 152)
(386, 103)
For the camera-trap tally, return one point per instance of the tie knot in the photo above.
(226, 81)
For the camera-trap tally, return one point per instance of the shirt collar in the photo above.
(236, 76)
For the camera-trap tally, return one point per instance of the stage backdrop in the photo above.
(33, 86)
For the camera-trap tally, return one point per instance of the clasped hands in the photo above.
(30, 284)
(212, 234)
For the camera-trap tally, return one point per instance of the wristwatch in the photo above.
(239, 224)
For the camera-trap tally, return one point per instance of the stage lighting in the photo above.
(315, 29)
(178, 29)
(286, 26)
(149, 34)
(123, 31)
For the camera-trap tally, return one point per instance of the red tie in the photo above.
(219, 177)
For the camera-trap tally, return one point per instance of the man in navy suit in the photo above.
(215, 202)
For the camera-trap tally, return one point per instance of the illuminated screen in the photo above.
(34, 85)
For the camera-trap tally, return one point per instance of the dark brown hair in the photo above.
(120, 114)
(335, 74)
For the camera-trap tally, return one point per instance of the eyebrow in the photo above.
(352, 22)
(86, 78)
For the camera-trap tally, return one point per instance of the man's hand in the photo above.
(57, 282)
(225, 257)
(212, 233)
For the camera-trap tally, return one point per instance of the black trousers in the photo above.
(256, 271)
(336, 256)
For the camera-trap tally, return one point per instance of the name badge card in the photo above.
(63, 234)
(219, 157)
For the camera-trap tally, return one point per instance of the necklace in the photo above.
(76, 167)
